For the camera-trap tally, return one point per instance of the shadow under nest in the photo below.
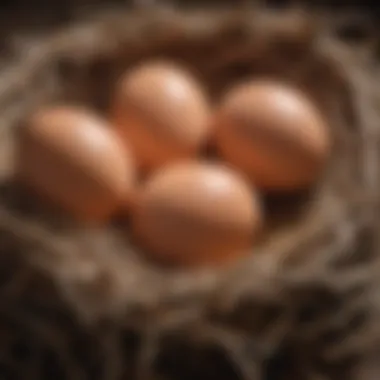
(79, 303)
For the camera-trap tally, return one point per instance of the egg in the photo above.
(196, 214)
(72, 157)
(162, 113)
(274, 134)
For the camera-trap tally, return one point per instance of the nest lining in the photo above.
(301, 306)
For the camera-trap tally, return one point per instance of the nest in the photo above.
(79, 303)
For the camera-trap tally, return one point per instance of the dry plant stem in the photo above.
(83, 304)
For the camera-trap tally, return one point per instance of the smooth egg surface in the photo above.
(73, 158)
(196, 214)
(162, 113)
(274, 134)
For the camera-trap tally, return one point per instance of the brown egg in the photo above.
(274, 134)
(74, 159)
(162, 112)
(196, 214)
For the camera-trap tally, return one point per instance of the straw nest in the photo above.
(79, 303)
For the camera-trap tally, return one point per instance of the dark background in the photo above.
(15, 13)
(27, 16)
(35, 7)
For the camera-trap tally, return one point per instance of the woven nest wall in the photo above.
(79, 303)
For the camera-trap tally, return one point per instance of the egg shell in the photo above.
(162, 113)
(196, 214)
(274, 134)
(74, 159)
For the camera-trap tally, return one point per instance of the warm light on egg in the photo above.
(196, 214)
(162, 113)
(73, 158)
(273, 134)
